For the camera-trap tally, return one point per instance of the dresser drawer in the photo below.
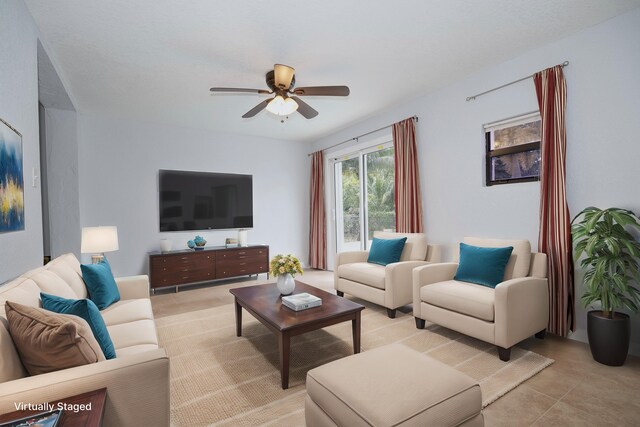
(193, 260)
(232, 270)
(242, 253)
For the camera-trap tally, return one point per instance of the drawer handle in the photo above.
(184, 257)
(185, 277)
(242, 253)
(243, 263)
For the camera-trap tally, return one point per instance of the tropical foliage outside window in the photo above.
(380, 194)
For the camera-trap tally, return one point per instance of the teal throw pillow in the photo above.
(483, 266)
(101, 285)
(386, 251)
(88, 311)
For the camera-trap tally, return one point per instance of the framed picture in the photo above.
(11, 179)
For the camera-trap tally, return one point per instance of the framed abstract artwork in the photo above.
(11, 179)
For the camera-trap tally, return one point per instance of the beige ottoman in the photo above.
(391, 386)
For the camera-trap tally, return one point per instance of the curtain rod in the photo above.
(355, 138)
(472, 98)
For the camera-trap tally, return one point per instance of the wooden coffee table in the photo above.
(264, 303)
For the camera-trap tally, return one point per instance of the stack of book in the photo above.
(302, 301)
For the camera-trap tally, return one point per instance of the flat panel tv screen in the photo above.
(205, 201)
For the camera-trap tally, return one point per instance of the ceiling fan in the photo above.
(281, 80)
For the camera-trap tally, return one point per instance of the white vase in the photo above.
(165, 245)
(286, 284)
(242, 237)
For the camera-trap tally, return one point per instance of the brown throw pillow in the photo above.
(48, 341)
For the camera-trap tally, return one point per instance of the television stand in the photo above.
(186, 267)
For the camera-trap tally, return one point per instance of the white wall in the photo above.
(119, 162)
(602, 133)
(22, 250)
(62, 181)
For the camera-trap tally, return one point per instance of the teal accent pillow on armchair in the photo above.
(88, 311)
(386, 251)
(483, 266)
(101, 285)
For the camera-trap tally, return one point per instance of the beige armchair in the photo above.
(516, 309)
(390, 285)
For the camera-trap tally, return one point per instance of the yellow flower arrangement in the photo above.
(285, 264)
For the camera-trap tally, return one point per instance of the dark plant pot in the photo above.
(609, 338)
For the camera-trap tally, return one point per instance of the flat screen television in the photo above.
(205, 201)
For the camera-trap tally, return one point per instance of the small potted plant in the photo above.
(285, 267)
(611, 256)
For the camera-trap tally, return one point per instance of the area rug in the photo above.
(223, 380)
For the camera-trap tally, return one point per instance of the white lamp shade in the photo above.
(281, 106)
(99, 239)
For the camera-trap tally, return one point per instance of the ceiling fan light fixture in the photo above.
(281, 106)
(283, 74)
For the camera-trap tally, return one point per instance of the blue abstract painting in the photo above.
(11, 179)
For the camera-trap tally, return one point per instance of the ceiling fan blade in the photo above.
(283, 74)
(255, 110)
(322, 91)
(305, 109)
(239, 90)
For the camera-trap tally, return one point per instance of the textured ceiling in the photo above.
(154, 60)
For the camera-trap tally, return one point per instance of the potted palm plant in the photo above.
(611, 256)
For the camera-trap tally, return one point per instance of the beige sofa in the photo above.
(137, 380)
(516, 309)
(389, 286)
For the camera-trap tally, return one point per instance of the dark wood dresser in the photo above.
(176, 268)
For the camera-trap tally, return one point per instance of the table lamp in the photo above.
(98, 240)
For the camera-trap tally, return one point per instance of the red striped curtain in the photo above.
(317, 227)
(554, 237)
(407, 182)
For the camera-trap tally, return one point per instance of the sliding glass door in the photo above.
(364, 196)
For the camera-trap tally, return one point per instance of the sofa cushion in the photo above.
(393, 385)
(363, 272)
(102, 287)
(518, 265)
(415, 248)
(87, 310)
(126, 311)
(50, 342)
(51, 283)
(10, 366)
(67, 267)
(135, 349)
(484, 266)
(465, 298)
(21, 290)
(386, 251)
(135, 333)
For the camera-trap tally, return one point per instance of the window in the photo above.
(513, 150)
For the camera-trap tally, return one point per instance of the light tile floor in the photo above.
(574, 391)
